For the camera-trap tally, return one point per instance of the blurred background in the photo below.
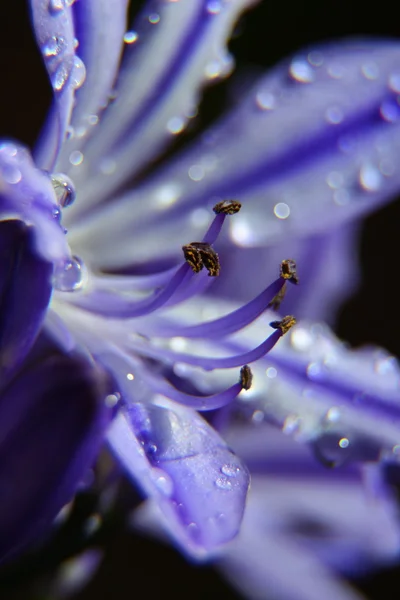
(132, 564)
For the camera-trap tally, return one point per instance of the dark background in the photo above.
(268, 33)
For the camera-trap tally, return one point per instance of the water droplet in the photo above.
(11, 174)
(394, 82)
(112, 400)
(301, 339)
(78, 73)
(314, 370)
(370, 70)
(336, 71)
(130, 376)
(70, 276)
(213, 7)
(64, 189)
(265, 100)
(281, 210)
(76, 158)
(196, 172)
(130, 37)
(301, 71)
(154, 18)
(390, 111)
(291, 424)
(257, 416)
(175, 125)
(332, 415)
(315, 58)
(163, 483)
(61, 75)
(54, 46)
(223, 483)
(370, 178)
(335, 180)
(55, 6)
(230, 470)
(213, 69)
(332, 449)
(93, 119)
(341, 197)
(334, 115)
(271, 372)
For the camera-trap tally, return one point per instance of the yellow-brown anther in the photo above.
(193, 257)
(227, 207)
(288, 270)
(199, 255)
(246, 377)
(285, 324)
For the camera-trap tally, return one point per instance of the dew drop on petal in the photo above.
(390, 111)
(370, 70)
(196, 173)
(265, 100)
(130, 37)
(394, 82)
(175, 125)
(271, 372)
(334, 115)
(230, 470)
(301, 71)
(369, 178)
(54, 46)
(213, 7)
(223, 483)
(315, 58)
(281, 210)
(56, 6)
(61, 76)
(335, 180)
(70, 275)
(78, 73)
(163, 483)
(64, 189)
(154, 18)
(76, 158)
(11, 174)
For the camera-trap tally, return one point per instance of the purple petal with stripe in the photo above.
(25, 290)
(54, 30)
(199, 484)
(313, 145)
(53, 419)
(100, 26)
(177, 47)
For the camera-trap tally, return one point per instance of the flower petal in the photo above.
(100, 26)
(53, 418)
(25, 289)
(26, 193)
(323, 151)
(178, 459)
(159, 86)
(54, 30)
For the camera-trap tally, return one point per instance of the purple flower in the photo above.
(109, 315)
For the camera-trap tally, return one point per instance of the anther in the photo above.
(288, 270)
(201, 254)
(285, 324)
(246, 377)
(227, 207)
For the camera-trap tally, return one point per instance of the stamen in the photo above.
(212, 402)
(289, 271)
(199, 255)
(234, 321)
(227, 207)
(277, 300)
(284, 325)
(246, 377)
(222, 209)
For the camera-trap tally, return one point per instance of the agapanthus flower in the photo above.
(111, 328)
